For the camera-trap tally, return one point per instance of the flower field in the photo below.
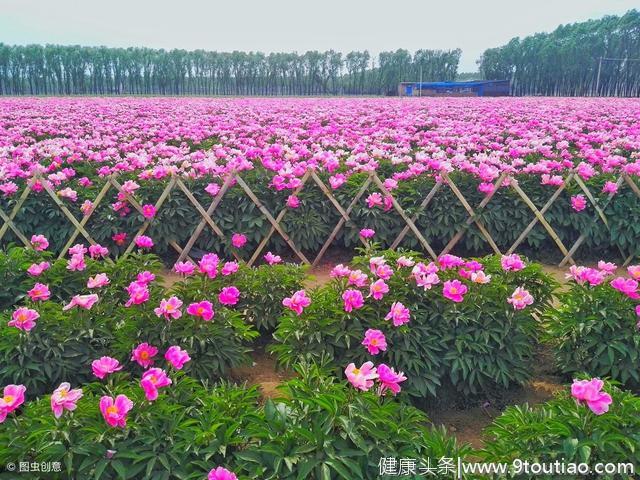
(109, 370)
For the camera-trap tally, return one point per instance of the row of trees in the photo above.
(70, 70)
(568, 61)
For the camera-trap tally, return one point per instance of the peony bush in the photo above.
(596, 326)
(452, 327)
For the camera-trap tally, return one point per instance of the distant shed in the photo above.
(476, 88)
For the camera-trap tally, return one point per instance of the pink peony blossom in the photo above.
(297, 302)
(511, 263)
(152, 380)
(142, 241)
(82, 301)
(208, 265)
(138, 293)
(78, 249)
(97, 251)
(578, 203)
(176, 357)
(143, 354)
(272, 259)
(374, 341)
(405, 262)
(119, 238)
(24, 319)
(184, 268)
(339, 271)
(36, 269)
(76, 263)
(145, 277)
(63, 398)
(220, 473)
(98, 281)
(610, 188)
(293, 201)
(448, 261)
(238, 240)
(39, 243)
(115, 412)
(367, 233)
(39, 292)
(203, 309)
(480, 277)
(148, 211)
(627, 286)
(590, 392)
(398, 314)
(170, 308)
(229, 268)
(520, 298)
(229, 296)
(361, 378)
(11, 399)
(378, 289)
(454, 290)
(105, 366)
(634, 271)
(389, 379)
(353, 299)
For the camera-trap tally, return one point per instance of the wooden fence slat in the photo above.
(66, 212)
(279, 218)
(272, 220)
(470, 211)
(8, 220)
(600, 212)
(423, 241)
(415, 216)
(473, 218)
(344, 219)
(184, 252)
(540, 216)
(147, 223)
(103, 191)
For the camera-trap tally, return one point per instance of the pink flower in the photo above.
(169, 308)
(389, 379)
(138, 294)
(82, 301)
(480, 277)
(39, 243)
(578, 202)
(12, 398)
(86, 207)
(339, 271)
(36, 269)
(229, 296)
(610, 187)
(63, 398)
(203, 309)
(367, 233)
(152, 380)
(143, 354)
(520, 298)
(208, 265)
(24, 319)
(145, 277)
(105, 366)
(78, 249)
(119, 238)
(398, 314)
(511, 263)
(361, 378)
(405, 262)
(238, 240)
(39, 291)
(375, 341)
(357, 278)
(293, 201)
(634, 271)
(589, 392)
(272, 259)
(220, 473)
(427, 281)
(212, 189)
(115, 412)
(184, 268)
(297, 302)
(607, 268)
(352, 300)
(97, 251)
(374, 200)
(176, 357)
(229, 268)
(454, 290)
(377, 289)
(142, 241)
(76, 263)
(627, 286)
(99, 281)
(384, 272)
(450, 261)
(148, 211)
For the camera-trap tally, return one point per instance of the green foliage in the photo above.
(594, 329)
(183, 434)
(472, 347)
(564, 430)
(324, 429)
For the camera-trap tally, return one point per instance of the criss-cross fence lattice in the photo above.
(208, 215)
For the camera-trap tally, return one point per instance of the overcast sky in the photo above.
(293, 25)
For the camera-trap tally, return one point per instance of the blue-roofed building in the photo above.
(475, 88)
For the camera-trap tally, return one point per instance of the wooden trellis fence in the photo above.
(208, 215)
